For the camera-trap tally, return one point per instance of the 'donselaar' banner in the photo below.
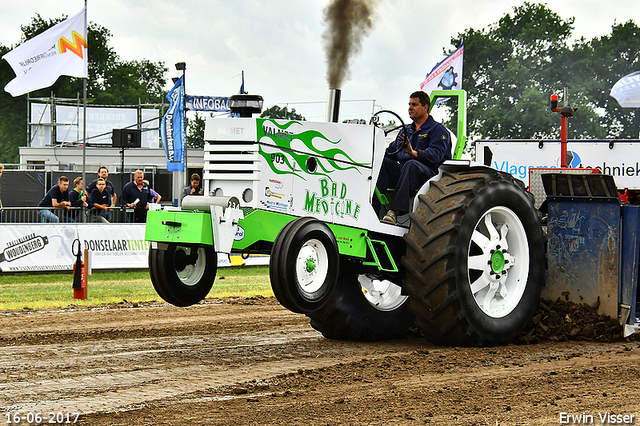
(49, 247)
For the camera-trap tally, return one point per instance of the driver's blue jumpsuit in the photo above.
(406, 174)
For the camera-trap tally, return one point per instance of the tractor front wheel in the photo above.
(304, 265)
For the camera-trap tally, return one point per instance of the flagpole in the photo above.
(84, 117)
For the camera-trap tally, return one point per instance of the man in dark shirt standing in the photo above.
(57, 196)
(103, 173)
(137, 195)
(428, 145)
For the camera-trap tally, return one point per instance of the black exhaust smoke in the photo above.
(348, 22)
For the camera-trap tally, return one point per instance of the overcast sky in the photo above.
(279, 44)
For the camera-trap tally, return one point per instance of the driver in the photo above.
(428, 146)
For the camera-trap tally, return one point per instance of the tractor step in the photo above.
(382, 257)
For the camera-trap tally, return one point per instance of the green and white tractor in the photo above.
(466, 265)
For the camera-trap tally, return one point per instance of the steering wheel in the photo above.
(375, 120)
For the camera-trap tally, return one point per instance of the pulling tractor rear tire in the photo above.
(364, 307)
(475, 259)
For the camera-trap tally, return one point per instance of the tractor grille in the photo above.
(231, 160)
(247, 211)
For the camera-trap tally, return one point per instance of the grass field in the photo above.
(54, 291)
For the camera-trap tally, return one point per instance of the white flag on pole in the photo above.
(627, 90)
(61, 50)
(447, 74)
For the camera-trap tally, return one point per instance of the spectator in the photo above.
(155, 197)
(58, 197)
(103, 173)
(78, 198)
(1, 170)
(101, 199)
(194, 188)
(136, 195)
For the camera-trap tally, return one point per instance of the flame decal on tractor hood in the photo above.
(281, 135)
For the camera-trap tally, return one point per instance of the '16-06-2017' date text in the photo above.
(31, 418)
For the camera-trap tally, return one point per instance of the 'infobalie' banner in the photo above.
(207, 103)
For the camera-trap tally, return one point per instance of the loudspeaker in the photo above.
(126, 138)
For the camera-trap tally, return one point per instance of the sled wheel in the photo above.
(475, 259)
(363, 307)
(307, 265)
(183, 274)
(153, 273)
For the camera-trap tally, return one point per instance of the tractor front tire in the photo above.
(183, 274)
(276, 266)
(305, 265)
(475, 259)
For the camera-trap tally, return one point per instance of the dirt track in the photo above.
(245, 362)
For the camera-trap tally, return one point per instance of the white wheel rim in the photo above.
(312, 266)
(381, 294)
(192, 274)
(498, 262)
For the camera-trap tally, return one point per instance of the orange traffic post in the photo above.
(80, 273)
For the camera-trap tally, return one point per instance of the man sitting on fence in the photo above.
(1, 170)
(103, 173)
(78, 199)
(101, 199)
(58, 196)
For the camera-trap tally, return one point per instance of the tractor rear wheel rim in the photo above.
(312, 266)
(382, 294)
(498, 262)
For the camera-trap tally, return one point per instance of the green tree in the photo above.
(283, 113)
(195, 132)
(506, 73)
(594, 67)
(111, 82)
(512, 67)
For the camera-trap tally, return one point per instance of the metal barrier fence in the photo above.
(54, 215)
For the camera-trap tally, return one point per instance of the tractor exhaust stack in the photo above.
(333, 105)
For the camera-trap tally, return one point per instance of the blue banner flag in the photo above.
(172, 129)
